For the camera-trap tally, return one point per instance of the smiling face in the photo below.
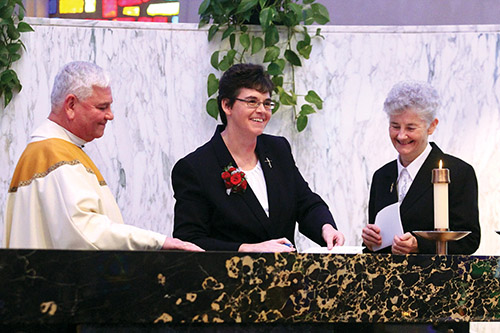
(244, 119)
(89, 116)
(409, 134)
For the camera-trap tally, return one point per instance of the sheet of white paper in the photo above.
(389, 222)
(336, 249)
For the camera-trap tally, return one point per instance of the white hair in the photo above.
(78, 78)
(419, 96)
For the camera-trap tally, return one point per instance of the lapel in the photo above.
(390, 182)
(422, 182)
(248, 197)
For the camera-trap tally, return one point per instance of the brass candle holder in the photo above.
(442, 237)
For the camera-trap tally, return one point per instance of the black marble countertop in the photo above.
(121, 287)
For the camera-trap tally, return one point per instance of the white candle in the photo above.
(440, 179)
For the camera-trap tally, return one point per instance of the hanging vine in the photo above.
(231, 20)
(11, 27)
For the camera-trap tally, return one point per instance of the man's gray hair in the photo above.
(77, 78)
(419, 96)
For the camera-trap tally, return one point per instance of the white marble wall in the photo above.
(159, 85)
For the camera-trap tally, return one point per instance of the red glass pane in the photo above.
(129, 2)
(109, 8)
(160, 19)
(145, 19)
(124, 19)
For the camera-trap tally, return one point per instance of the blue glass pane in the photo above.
(53, 6)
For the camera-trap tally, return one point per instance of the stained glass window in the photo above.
(118, 10)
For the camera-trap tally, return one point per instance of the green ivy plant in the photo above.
(11, 27)
(231, 20)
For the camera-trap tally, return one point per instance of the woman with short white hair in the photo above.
(411, 107)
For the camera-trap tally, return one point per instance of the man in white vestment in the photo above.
(58, 199)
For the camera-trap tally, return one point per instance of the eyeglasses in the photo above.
(254, 104)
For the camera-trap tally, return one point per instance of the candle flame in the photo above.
(440, 164)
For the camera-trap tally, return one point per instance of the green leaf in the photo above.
(245, 41)
(318, 33)
(257, 44)
(6, 12)
(272, 54)
(287, 99)
(231, 54)
(212, 84)
(228, 32)
(244, 28)
(214, 60)
(307, 38)
(15, 57)
(7, 95)
(301, 123)
(308, 16)
(304, 49)
(3, 3)
(203, 7)
(274, 69)
(212, 108)
(212, 31)
(306, 2)
(20, 14)
(7, 76)
(277, 80)
(24, 27)
(297, 12)
(224, 64)
(306, 109)
(292, 58)
(312, 97)
(276, 106)
(13, 33)
(13, 48)
(272, 36)
(4, 55)
(227, 60)
(266, 17)
(232, 40)
(321, 14)
(246, 5)
(281, 62)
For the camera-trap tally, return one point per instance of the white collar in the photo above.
(417, 163)
(49, 129)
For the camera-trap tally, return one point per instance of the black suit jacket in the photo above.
(208, 217)
(417, 208)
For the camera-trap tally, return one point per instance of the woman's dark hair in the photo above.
(242, 76)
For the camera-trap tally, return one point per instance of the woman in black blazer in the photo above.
(411, 107)
(241, 191)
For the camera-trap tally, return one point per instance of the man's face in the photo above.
(92, 114)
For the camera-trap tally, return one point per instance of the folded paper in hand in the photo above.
(389, 222)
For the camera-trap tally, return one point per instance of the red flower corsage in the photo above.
(234, 179)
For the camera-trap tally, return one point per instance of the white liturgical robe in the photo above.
(59, 200)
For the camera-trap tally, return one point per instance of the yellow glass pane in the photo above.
(169, 8)
(70, 6)
(132, 10)
(90, 6)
